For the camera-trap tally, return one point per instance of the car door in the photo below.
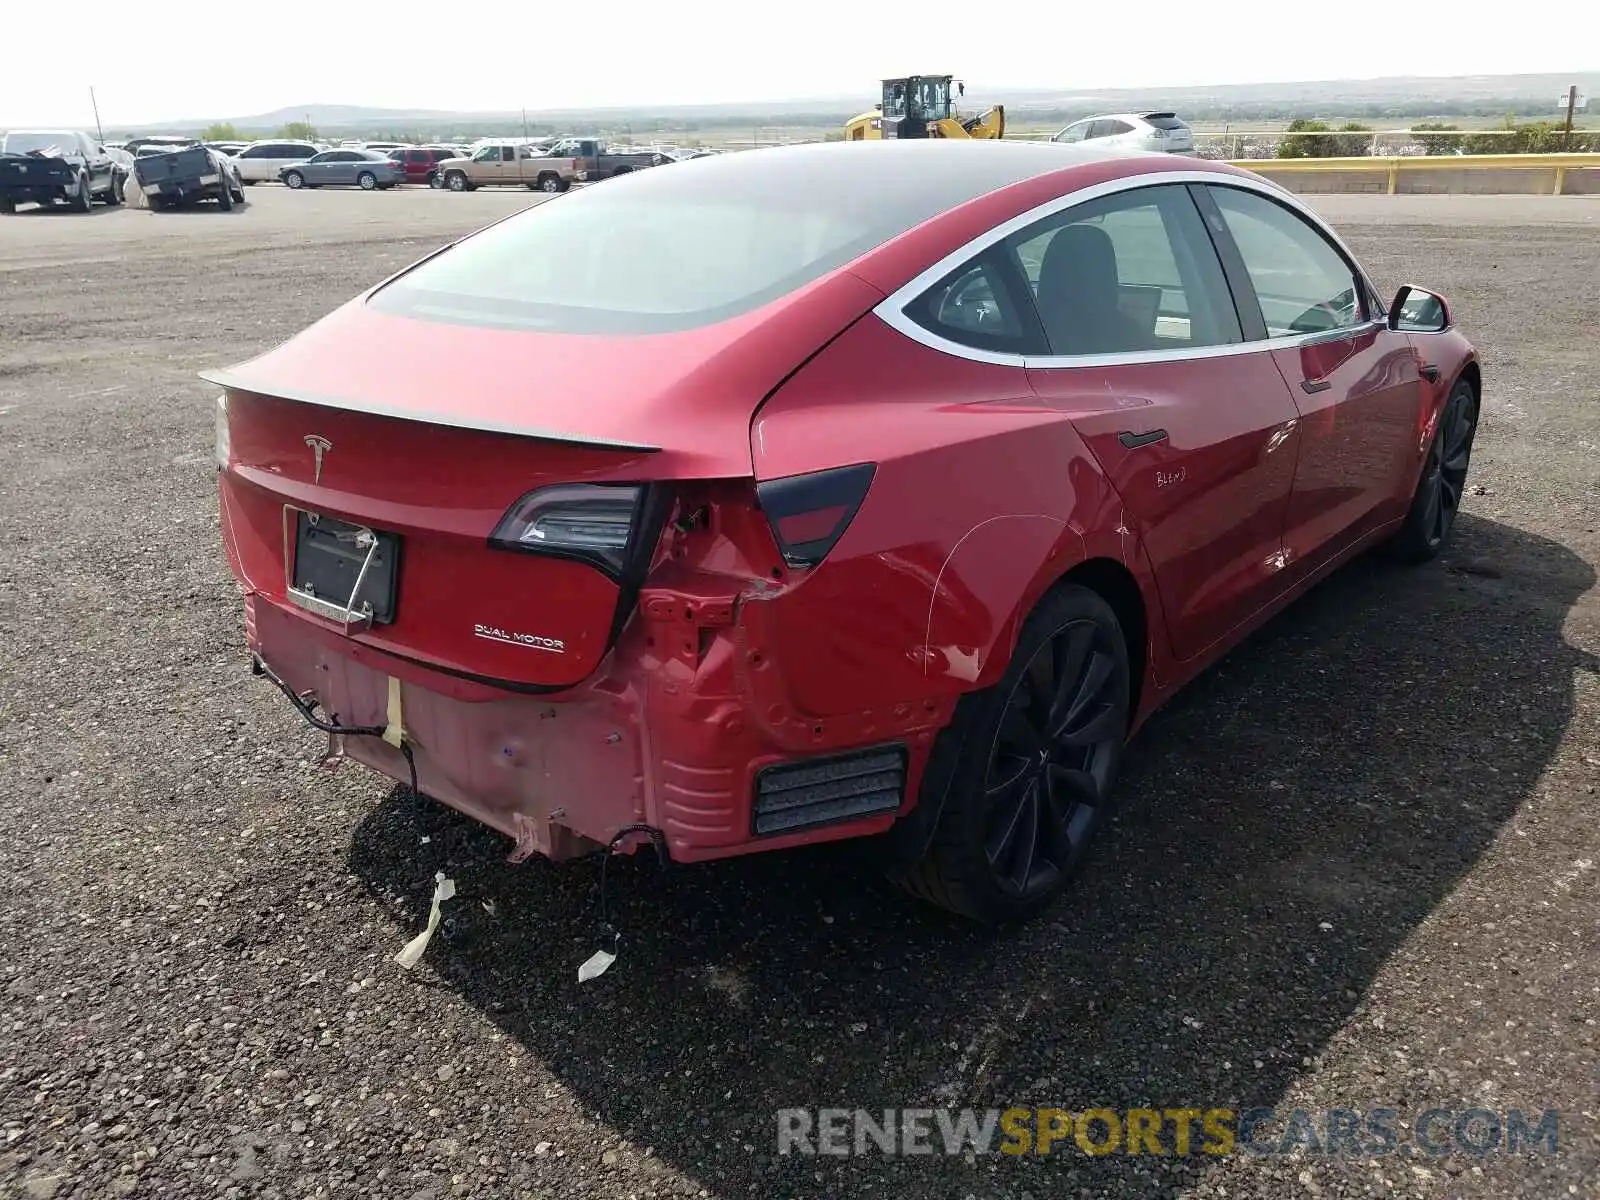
(99, 163)
(341, 168)
(486, 164)
(1184, 410)
(319, 167)
(1355, 383)
(1110, 129)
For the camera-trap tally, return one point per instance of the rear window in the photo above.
(660, 251)
(1164, 121)
(48, 143)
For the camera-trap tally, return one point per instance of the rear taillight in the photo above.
(590, 521)
(809, 513)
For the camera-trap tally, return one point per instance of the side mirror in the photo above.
(1418, 311)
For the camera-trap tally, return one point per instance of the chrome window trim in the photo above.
(892, 309)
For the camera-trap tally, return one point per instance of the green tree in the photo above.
(1318, 140)
(1357, 145)
(1448, 141)
(220, 132)
(299, 131)
(1309, 144)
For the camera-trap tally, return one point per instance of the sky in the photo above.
(181, 59)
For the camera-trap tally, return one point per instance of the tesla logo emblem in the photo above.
(319, 446)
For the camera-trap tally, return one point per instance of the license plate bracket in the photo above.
(344, 571)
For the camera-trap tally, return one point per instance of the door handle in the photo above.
(1314, 386)
(1430, 372)
(1133, 441)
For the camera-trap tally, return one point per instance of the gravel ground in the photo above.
(1355, 866)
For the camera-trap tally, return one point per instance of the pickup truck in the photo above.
(41, 166)
(173, 177)
(599, 160)
(509, 163)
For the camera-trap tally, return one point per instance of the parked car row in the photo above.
(50, 166)
(47, 167)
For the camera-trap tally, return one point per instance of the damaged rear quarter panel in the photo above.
(978, 502)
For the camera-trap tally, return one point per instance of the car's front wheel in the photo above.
(456, 181)
(1434, 505)
(1024, 771)
(294, 179)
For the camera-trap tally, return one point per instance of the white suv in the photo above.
(260, 162)
(1161, 132)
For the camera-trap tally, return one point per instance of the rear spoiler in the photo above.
(239, 383)
(1171, 116)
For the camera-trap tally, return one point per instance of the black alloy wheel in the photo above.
(1051, 760)
(1437, 500)
(1021, 780)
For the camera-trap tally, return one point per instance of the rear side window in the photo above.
(1109, 128)
(980, 305)
(1132, 272)
(1303, 283)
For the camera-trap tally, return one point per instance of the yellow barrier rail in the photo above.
(1393, 165)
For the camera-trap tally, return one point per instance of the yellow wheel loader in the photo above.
(920, 106)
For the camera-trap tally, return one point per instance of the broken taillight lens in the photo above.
(809, 513)
(224, 442)
(589, 521)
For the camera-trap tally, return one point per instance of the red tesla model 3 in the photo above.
(827, 491)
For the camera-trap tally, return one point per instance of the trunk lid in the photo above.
(192, 163)
(427, 434)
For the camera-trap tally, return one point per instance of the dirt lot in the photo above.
(1355, 866)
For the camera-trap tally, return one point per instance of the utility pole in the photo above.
(1572, 103)
(101, 133)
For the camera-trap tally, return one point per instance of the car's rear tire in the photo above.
(457, 181)
(548, 182)
(8, 206)
(1023, 774)
(294, 179)
(113, 197)
(367, 181)
(1431, 519)
(84, 200)
(225, 196)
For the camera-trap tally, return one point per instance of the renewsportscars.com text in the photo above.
(1166, 1131)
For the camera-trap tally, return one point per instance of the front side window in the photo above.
(1132, 272)
(1074, 133)
(1303, 283)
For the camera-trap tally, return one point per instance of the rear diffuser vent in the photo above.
(820, 791)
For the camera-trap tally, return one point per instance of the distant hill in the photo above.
(1398, 97)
